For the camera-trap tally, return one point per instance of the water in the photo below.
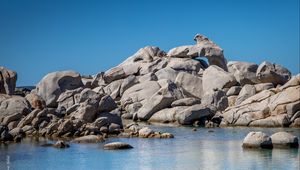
(201, 149)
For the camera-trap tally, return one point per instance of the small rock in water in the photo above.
(167, 135)
(61, 144)
(194, 129)
(145, 132)
(58, 144)
(117, 145)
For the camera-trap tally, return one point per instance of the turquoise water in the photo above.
(201, 149)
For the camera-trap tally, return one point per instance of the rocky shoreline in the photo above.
(175, 87)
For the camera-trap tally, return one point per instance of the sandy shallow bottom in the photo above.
(216, 148)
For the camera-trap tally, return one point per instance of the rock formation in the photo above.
(155, 86)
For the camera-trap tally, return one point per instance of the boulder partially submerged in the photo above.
(284, 140)
(277, 140)
(257, 140)
(116, 146)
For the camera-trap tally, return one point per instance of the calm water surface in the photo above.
(220, 149)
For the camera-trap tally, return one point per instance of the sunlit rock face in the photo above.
(176, 87)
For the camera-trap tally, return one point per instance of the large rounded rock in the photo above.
(116, 145)
(284, 139)
(139, 92)
(53, 84)
(244, 72)
(193, 113)
(216, 78)
(272, 73)
(257, 140)
(191, 84)
(8, 80)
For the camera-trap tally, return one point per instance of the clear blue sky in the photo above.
(38, 37)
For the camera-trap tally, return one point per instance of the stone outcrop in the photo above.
(269, 108)
(151, 85)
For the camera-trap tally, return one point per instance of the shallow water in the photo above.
(201, 149)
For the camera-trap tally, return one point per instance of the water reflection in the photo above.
(189, 150)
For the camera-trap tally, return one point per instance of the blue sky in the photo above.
(38, 37)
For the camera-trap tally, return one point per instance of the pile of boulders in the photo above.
(135, 130)
(154, 86)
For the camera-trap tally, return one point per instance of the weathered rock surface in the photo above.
(271, 108)
(244, 72)
(216, 78)
(152, 86)
(8, 80)
(53, 84)
(35, 101)
(135, 130)
(246, 92)
(191, 84)
(203, 48)
(193, 113)
(167, 115)
(216, 100)
(89, 139)
(117, 145)
(284, 140)
(272, 73)
(185, 64)
(107, 104)
(257, 140)
(234, 90)
(186, 102)
(161, 99)
(13, 109)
